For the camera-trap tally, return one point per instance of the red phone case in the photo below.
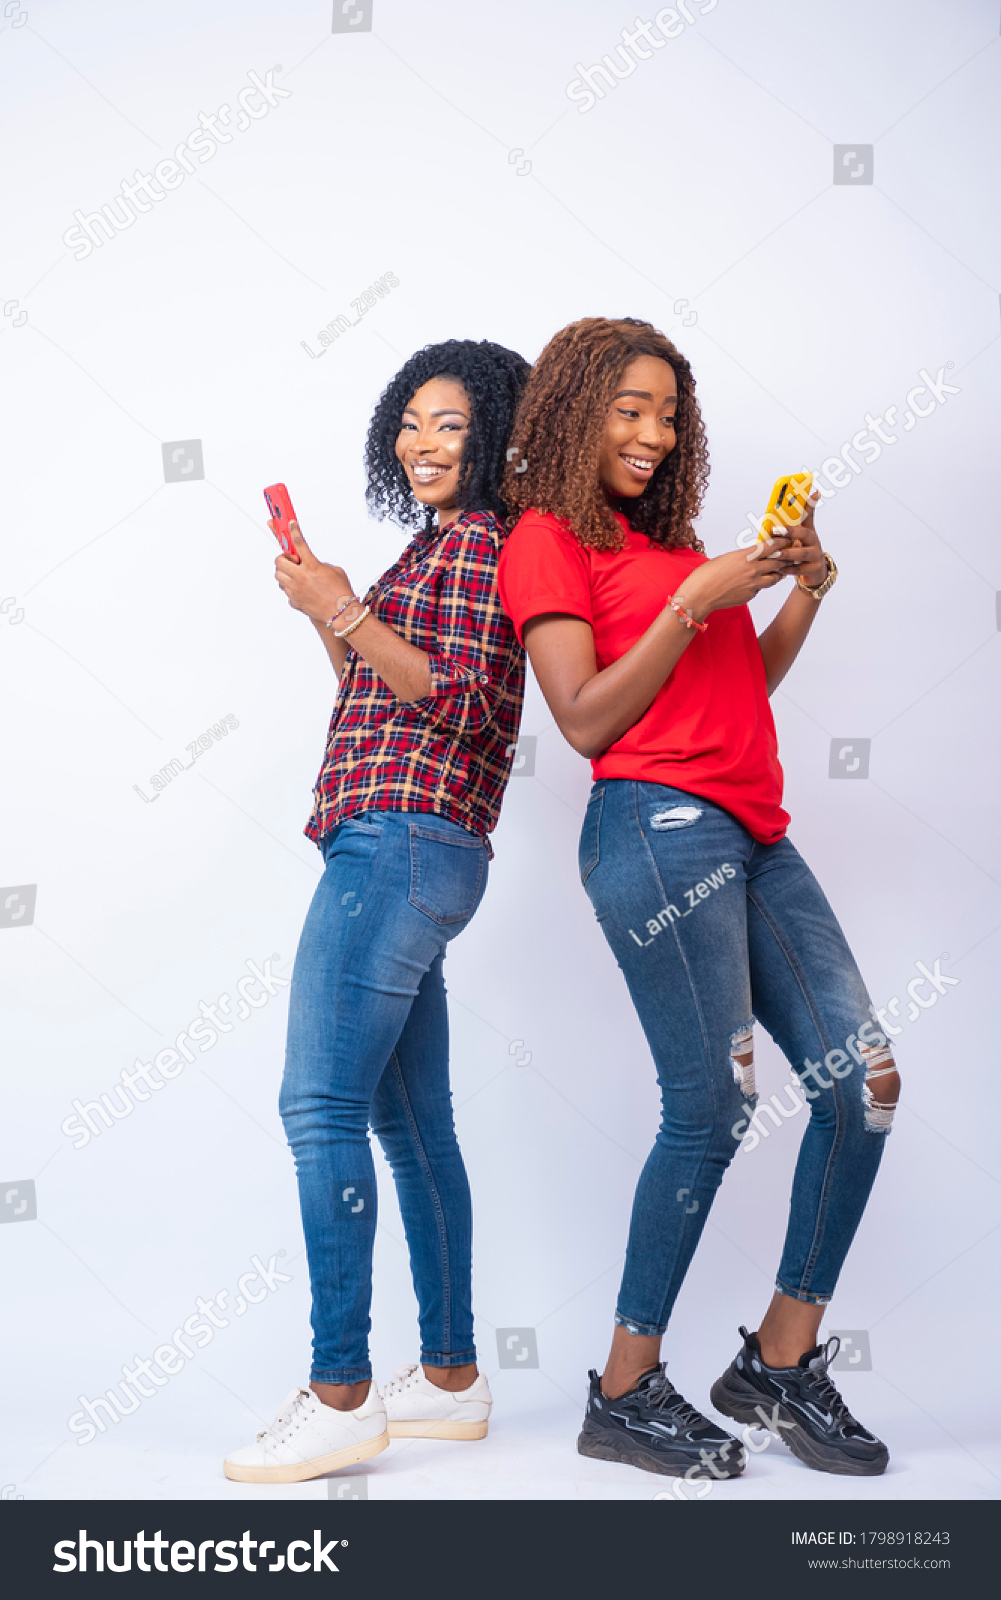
(280, 507)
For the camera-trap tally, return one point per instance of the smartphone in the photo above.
(788, 504)
(280, 507)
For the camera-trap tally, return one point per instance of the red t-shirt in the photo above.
(709, 730)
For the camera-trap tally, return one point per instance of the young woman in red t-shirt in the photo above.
(648, 659)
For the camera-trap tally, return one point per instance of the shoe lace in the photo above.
(827, 1391)
(400, 1379)
(661, 1395)
(293, 1410)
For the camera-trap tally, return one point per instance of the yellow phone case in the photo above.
(787, 504)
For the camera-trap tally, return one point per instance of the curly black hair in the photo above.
(493, 378)
(559, 428)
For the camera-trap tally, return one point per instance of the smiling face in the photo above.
(431, 441)
(639, 432)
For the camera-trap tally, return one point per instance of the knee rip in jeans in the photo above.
(742, 1060)
(881, 1088)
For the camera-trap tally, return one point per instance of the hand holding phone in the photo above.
(317, 588)
(282, 516)
(788, 504)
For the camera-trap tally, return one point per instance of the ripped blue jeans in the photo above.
(713, 930)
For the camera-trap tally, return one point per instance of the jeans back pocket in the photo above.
(447, 874)
(589, 849)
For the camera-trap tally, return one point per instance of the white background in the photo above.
(149, 611)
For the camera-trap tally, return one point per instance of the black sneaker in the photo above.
(654, 1427)
(802, 1406)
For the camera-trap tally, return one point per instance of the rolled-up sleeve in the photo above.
(474, 639)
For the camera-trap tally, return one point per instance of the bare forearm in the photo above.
(336, 649)
(784, 637)
(323, 592)
(404, 668)
(594, 714)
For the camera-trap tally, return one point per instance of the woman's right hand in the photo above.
(734, 579)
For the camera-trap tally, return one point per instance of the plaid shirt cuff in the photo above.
(458, 702)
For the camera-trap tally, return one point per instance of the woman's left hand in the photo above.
(313, 587)
(804, 557)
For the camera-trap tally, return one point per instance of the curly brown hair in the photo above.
(558, 429)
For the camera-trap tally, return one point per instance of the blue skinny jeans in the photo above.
(368, 1044)
(712, 930)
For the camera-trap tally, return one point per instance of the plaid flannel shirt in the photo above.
(450, 752)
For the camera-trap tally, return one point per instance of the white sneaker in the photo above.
(417, 1409)
(308, 1439)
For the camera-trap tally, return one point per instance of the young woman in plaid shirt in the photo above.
(421, 741)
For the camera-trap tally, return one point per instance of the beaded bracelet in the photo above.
(686, 616)
(365, 612)
(351, 600)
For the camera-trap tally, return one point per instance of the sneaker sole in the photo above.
(600, 1445)
(299, 1471)
(740, 1401)
(419, 1429)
